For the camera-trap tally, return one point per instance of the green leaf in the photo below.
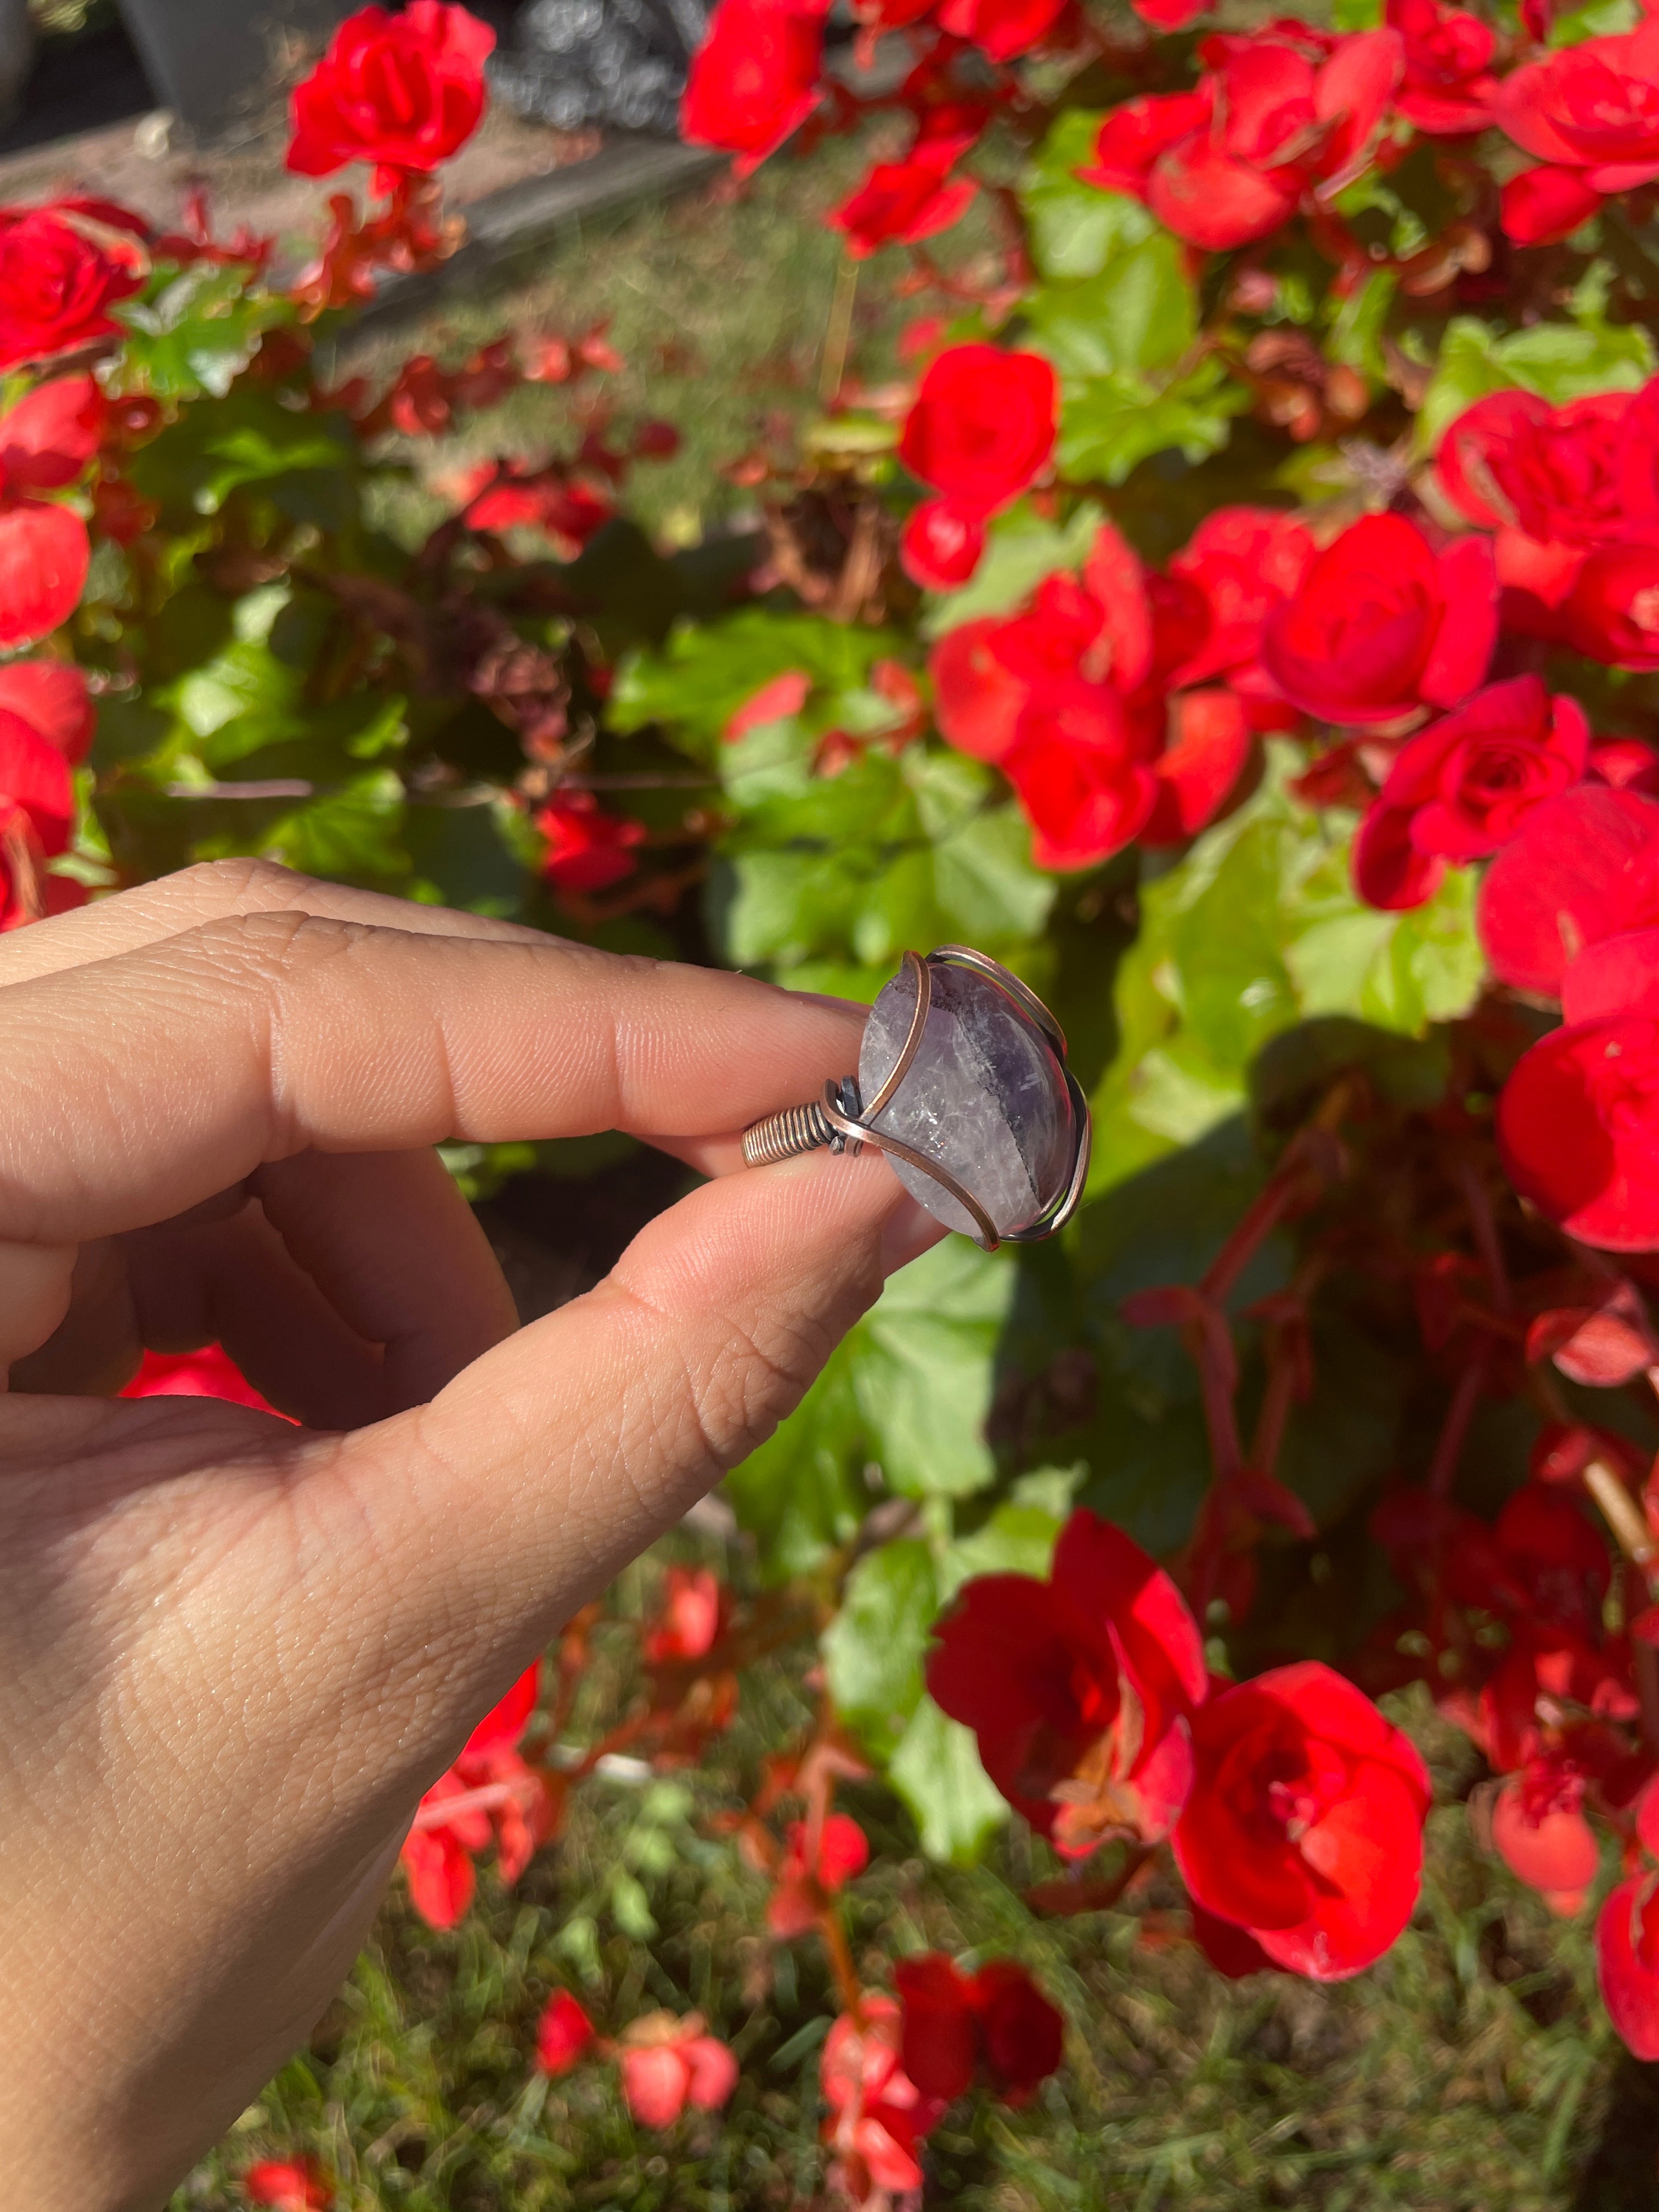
(936, 1770)
(308, 465)
(1557, 361)
(1597, 19)
(921, 1367)
(351, 836)
(195, 332)
(1076, 228)
(697, 682)
(901, 1404)
(1137, 316)
(1111, 424)
(874, 1648)
(1017, 1539)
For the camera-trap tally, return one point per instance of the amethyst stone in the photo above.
(986, 1096)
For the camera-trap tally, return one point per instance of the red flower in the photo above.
(1465, 785)
(52, 698)
(957, 2024)
(1305, 1822)
(46, 442)
(1627, 1961)
(488, 1790)
(1000, 29)
(287, 2185)
(1611, 612)
(694, 1604)
(776, 701)
(1449, 83)
(1286, 111)
(587, 850)
(1209, 744)
(404, 91)
(1544, 205)
(939, 549)
(899, 203)
(982, 427)
(1584, 867)
(1085, 793)
(564, 2034)
(1594, 107)
(668, 2063)
(1244, 560)
(1578, 1129)
(503, 496)
(876, 2116)
(1383, 624)
(209, 1373)
(61, 271)
(1080, 1690)
(843, 1850)
(754, 78)
(1132, 137)
(1513, 461)
(1539, 1827)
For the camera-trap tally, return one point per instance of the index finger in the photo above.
(139, 1085)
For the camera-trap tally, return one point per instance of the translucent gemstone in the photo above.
(984, 1097)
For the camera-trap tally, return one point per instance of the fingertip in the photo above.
(909, 1230)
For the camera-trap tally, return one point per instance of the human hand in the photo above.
(234, 1652)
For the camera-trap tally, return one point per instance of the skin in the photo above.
(234, 1652)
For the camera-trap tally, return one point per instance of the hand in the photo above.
(233, 1652)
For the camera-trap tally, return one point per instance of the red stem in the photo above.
(1454, 1428)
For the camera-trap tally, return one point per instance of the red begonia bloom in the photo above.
(62, 270)
(982, 428)
(977, 700)
(564, 2034)
(209, 1373)
(48, 439)
(1578, 1129)
(669, 2063)
(899, 203)
(1607, 1340)
(437, 1852)
(754, 78)
(1132, 137)
(843, 1850)
(940, 547)
(44, 554)
(1560, 473)
(776, 701)
(692, 1614)
(1085, 793)
(1210, 741)
(1170, 14)
(1627, 1962)
(1305, 1822)
(1594, 107)
(1244, 560)
(1383, 624)
(287, 2185)
(587, 850)
(1611, 612)
(877, 2115)
(52, 698)
(1000, 29)
(1080, 1690)
(1539, 1827)
(1544, 205)
(1464, 787)
(1584, 867)
(1448, 84)
(404, 92)
(956, 2026)
(1293, 111)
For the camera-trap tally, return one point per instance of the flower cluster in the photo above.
(1294, 1808)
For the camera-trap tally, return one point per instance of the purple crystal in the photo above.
(984, 1097)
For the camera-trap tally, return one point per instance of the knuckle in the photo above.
(243, 877)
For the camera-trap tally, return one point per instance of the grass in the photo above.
(720, 306)
(1472, 2069)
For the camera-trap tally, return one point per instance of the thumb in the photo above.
(524, 1486)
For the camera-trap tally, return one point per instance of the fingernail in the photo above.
(910, 1230)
